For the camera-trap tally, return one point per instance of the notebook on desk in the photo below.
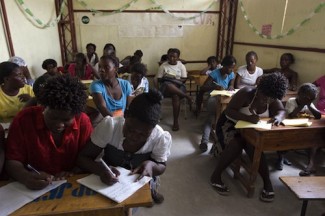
(121, 190)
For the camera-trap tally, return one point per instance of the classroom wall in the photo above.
(153, 33)
(309, 65)
(34, 45)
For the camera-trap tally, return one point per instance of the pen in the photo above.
(107, 167)
(33, 169)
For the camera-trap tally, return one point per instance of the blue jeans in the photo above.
(211, 108)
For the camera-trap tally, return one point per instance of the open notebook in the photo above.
(15, 195)
(121, 190)
(261, 124)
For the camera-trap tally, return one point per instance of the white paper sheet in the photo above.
(261, 124)
(304, 122)
(121, 190)
(15, 195)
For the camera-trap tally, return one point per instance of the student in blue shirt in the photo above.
(218, 79)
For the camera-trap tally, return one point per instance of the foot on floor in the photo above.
(203, 146)
(307, 172)
(222, 189)
(175, 127)
(267, 196)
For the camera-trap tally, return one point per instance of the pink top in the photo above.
(88, 72)
(321, 102)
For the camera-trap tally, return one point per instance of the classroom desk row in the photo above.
(279, 138)
(73, 199)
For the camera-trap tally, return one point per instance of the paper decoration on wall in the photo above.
(150, 31)
(285, 34)
(267, 29)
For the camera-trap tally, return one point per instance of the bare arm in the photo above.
(277, 112)
(86, 161)
(30, 179)
(231, 85)
(315, 112)
(101, 104)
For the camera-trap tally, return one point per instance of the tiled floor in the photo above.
(185, 184)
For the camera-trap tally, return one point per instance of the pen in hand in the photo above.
(33, 169)
(107, 167)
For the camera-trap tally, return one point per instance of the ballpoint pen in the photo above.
(107, 167)
(33, 169)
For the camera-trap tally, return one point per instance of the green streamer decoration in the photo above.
(290, 31)
(36, 21)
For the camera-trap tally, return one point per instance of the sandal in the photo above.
(175, 128)
(221, 189)
(267, 196)
(306, 172)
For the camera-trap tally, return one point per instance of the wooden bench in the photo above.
(306, 188)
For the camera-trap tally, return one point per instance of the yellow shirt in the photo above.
(10, 105)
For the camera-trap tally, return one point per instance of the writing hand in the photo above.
(275, 121)
(109, 179)
(36, 181)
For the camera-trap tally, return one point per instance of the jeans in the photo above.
(211, 108)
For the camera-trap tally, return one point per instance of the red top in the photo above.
(88, 71)
(30, 142)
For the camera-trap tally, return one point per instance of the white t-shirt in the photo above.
(110, 132)
(248, 79)
(291, 104)
(173, 71)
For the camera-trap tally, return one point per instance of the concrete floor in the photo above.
(185, 184)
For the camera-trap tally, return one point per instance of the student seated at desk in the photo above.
(82, 69)
(23, 66)
(286, 60)
(249, 74)
(212, 64)
(13, 92)
(110, 94)
(321, 99)
(250, 104)
(218, 79)
(49, 137)
(172, 76)
(134, 142)
(140, 83)
(91, 55)
(299, 107)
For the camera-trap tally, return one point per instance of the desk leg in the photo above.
(254, 171)
(304, 208)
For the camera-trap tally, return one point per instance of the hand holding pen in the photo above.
(37, 180)
(110, 176)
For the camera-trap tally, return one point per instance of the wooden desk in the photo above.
(224, 101)
(279, 139)
(73, 199)
(306, 188)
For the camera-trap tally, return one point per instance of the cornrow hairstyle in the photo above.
(6, 68)
(109, 45)
(273, 85)
(211, 58)
(139, 68)
(91, 44)
(64, 93)
(112, 58)
(228, 60)
(47, 62)
(252, 53)
(290, 56)
(146, 107)
(138, 53)
(174, 50)
(308, 89)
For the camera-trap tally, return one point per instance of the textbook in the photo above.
(15, 195)
(261, 124)
(119, 191)
(303, 122)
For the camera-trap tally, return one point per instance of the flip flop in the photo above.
(175, 128)
(267, 196)
(306, 172)
(222, 189)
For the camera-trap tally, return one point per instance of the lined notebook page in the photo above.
(15, 195)
(121, 190)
